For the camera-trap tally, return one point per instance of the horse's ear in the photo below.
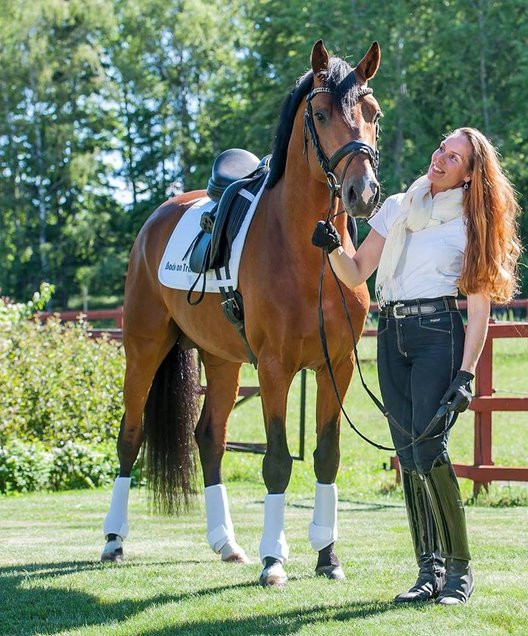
(320, 58)
(369, 65)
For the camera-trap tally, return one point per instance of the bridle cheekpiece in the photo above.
(350, 149)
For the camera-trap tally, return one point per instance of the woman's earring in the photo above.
(466, 185)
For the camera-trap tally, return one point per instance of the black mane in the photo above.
(340, 79)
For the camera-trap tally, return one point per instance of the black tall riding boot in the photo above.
(425, 540)
(450, 520)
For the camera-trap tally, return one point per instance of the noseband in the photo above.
(350, 149)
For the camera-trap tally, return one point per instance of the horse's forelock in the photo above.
(342, 81)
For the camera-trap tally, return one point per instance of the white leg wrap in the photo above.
(273, 542)
(116, 521)
(323, 529)
(219, 525)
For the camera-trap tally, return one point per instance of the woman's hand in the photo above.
(326, 236)
(355, 268)
(458, 396)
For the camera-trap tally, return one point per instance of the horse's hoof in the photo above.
(334, 572)
(273, 574)
(113, 551)
(233, 553)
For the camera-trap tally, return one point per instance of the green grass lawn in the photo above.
(171, 583)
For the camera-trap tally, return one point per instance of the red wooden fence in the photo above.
(482, 471)
(115, 315)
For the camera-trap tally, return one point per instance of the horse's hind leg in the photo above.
(323, 529)
(211, 435)
(143, 357)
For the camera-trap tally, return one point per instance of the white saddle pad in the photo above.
(174, 270)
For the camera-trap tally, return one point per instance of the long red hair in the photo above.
(491, 209)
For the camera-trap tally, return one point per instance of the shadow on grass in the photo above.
(346, 505)
(289, 622)
(29, 607)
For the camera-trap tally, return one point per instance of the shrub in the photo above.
(78, 466)
(61, 395)
(24, 467)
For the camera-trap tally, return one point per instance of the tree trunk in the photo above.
(39, 182)
(400, 109)
(483, 74)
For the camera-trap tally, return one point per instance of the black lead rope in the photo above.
(322, 334)
(439, 415)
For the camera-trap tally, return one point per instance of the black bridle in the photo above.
(351, 149)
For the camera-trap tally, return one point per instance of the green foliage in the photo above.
(24, 467)
(32, 466)
(12, 314)
(77, 466)
(62, 402)
(108, 105)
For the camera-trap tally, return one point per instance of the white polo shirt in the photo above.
(432, 258)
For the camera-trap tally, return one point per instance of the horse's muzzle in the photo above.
(360, 195)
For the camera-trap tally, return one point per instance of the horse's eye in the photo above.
(320, 116)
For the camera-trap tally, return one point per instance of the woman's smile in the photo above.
(449, 164)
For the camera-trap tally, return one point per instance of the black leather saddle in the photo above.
(229, 166)
(237, 176)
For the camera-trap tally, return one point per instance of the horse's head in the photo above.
(341, 120)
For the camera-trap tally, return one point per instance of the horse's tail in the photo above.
(170, 415)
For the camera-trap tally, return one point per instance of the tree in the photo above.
(57, 128)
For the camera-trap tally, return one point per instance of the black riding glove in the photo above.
(326, 236)
(458, 395)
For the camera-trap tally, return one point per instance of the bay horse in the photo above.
(330, 113)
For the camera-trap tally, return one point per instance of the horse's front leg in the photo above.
(323, 529)
(211, 435)
(276, 470)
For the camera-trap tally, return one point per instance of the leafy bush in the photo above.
(24, 467)
(78, 466)
(61, 396)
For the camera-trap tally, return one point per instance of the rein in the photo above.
(328, 165)
(439, 415)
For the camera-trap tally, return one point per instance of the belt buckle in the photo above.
(395, 310)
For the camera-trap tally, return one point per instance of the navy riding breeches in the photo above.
(418, 356)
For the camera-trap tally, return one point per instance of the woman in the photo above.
(453, 229)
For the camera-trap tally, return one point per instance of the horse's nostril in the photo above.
(352, 196)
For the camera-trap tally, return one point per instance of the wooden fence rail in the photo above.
(483, 471)
(95, 315)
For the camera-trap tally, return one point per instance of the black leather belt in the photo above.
(423, 307)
